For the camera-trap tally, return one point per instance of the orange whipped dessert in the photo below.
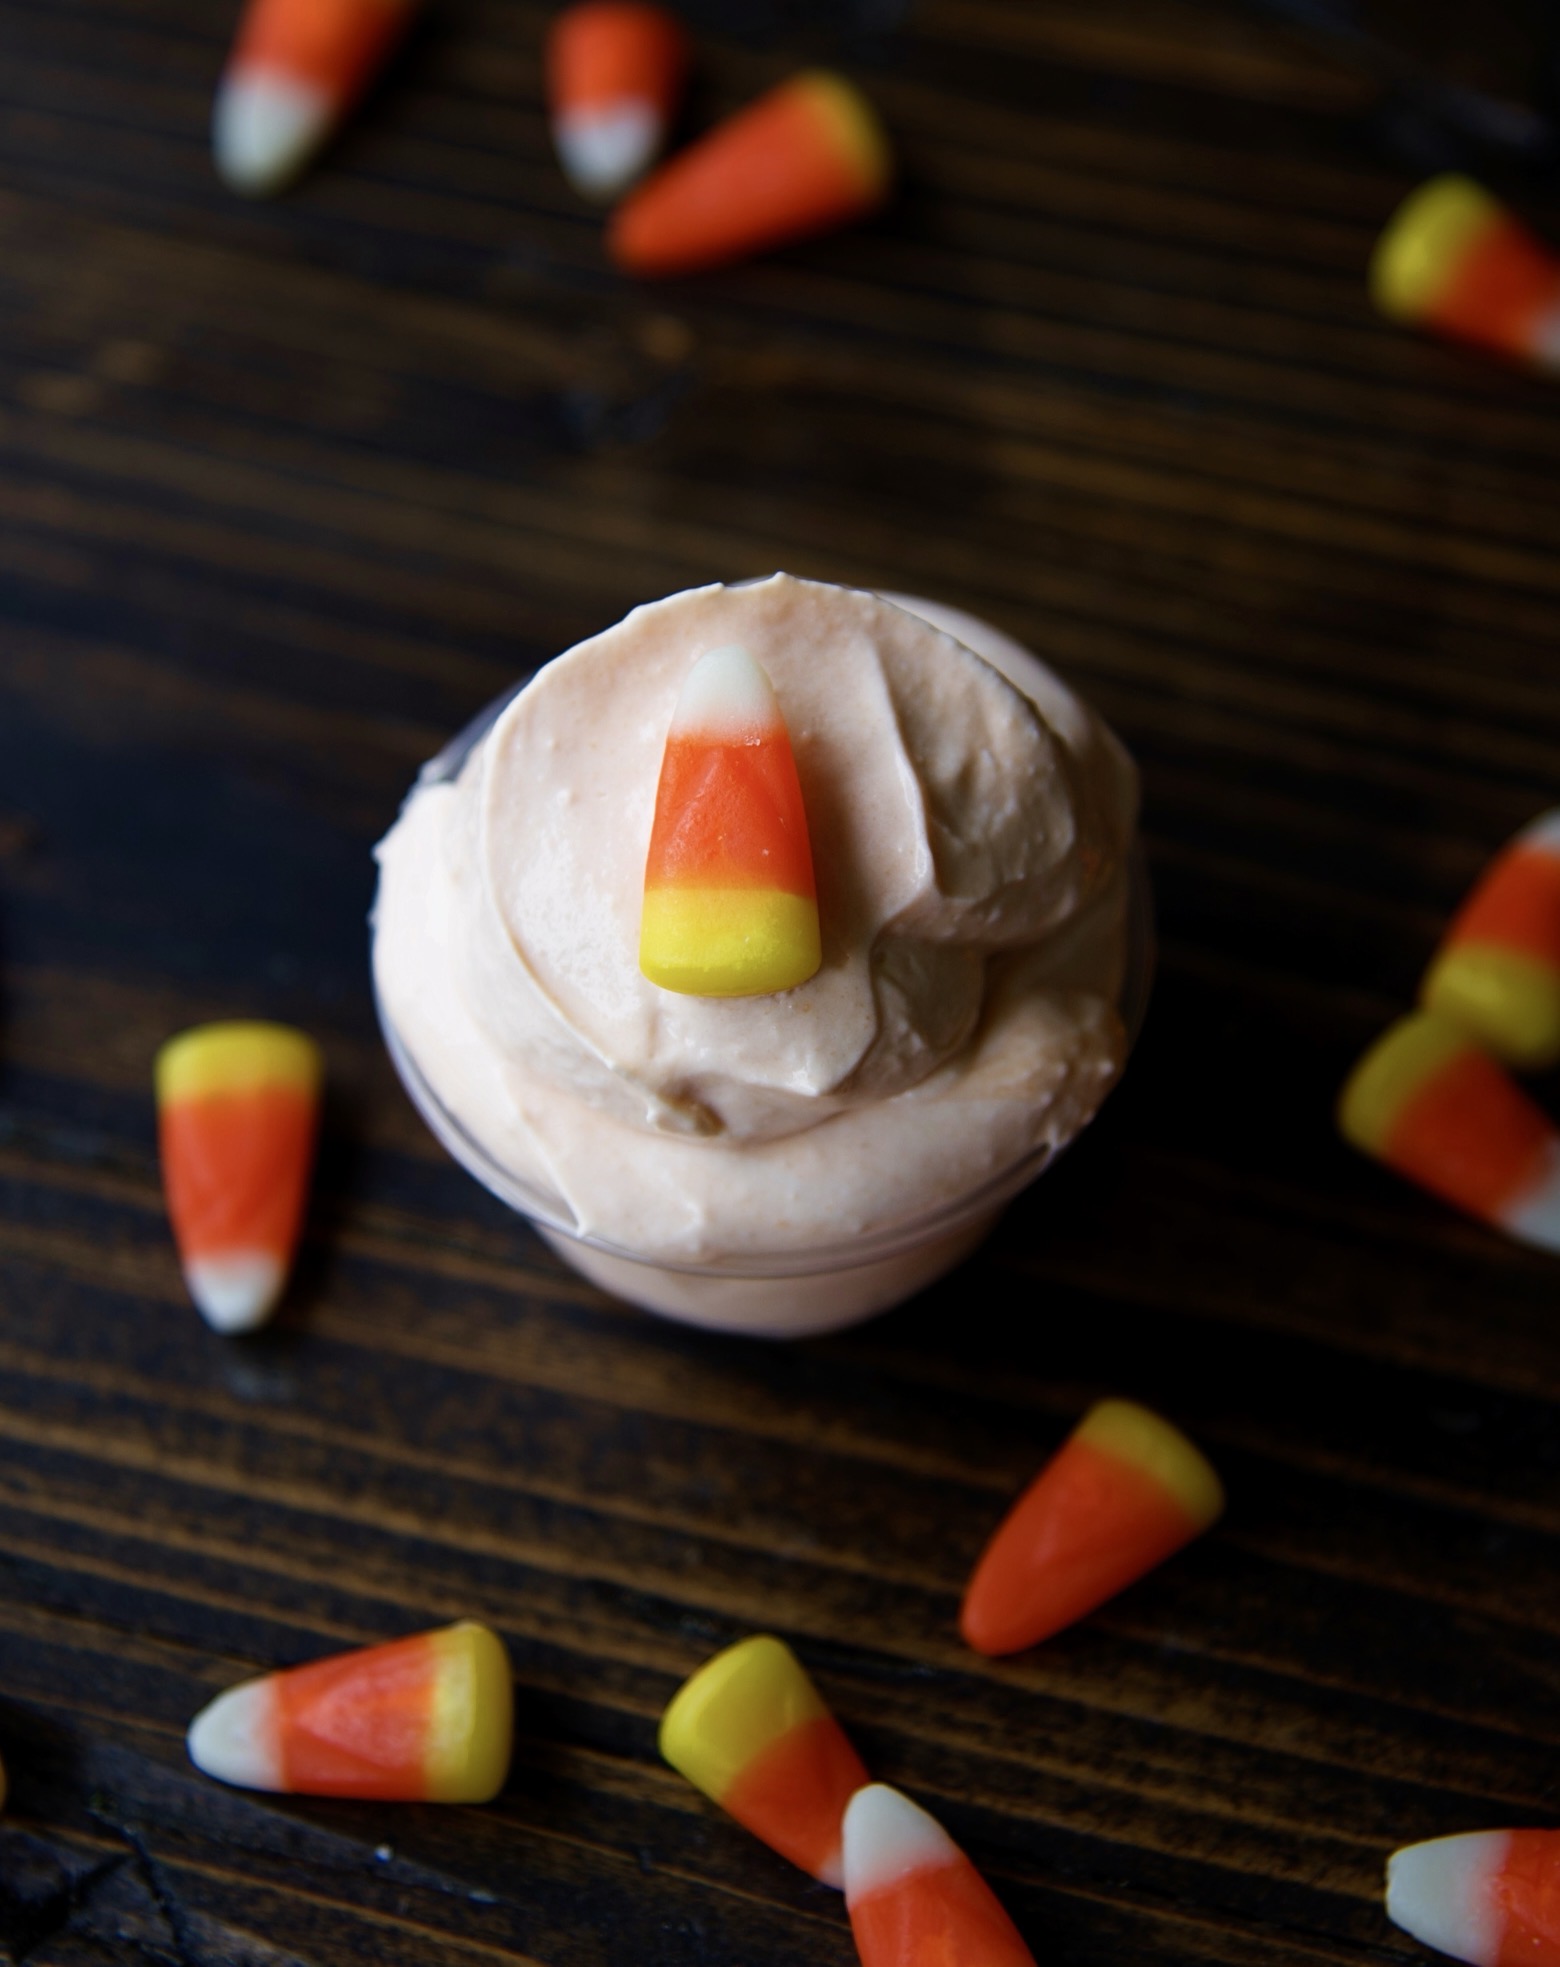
(971, 823)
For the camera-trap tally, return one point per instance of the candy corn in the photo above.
(730, 908)
(1491, 1896)
(1498, 970)
(914, 1899)
(806, 158)
(750, 1730)
(421, 1720)
(1454, 260)
(297, 67)
(1123, 1493)
(1428, 1102)
(614, 75)
(237, 1108)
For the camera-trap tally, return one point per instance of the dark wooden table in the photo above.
(287, 492)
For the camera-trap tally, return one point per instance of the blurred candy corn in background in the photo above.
(1498, 970)
(809, 156)
(297, 67)
(1123, 1493)
(914, 1899)
(1455, 261)
(421, 1720)
(615, 72)
(751, 1731)
(1490, 1896)
(730, 907)
(1430, 1103)
(238, 1108)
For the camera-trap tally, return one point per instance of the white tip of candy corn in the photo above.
(1440, 1892)
(604, 151)
(235, 1294)
(887, 1837)
(234, 1739)
(726, 695)
(265, 129)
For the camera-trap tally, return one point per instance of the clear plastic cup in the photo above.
(787, 1294)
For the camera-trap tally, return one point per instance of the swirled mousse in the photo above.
(970, 822)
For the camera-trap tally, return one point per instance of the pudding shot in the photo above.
(767, 1042)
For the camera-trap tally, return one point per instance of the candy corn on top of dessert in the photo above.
(1491, 1897)
(296, 67)
(730, 909)
(914, 1898)
(1431, 1103)
(809, 156)
(238, 1106)
(426, 1719)
(1122, 1494)
(751, 1731)
(614, 75)
(1497, 971)
(1455, 260)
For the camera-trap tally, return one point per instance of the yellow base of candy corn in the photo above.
(1406, 1057)
(1510, 1001)
(236, 1058)
(732, 1709)
(1134, 1435)
(471, 1729)
(728, 942)
(1426, 236)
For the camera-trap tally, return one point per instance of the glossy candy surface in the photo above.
(751, 1731)
(806, 158)
(915, 1900)
(1455, 261)
(296, 68)
(730, 906)
(615, 72)
(1123, 1493)
(1491, 1896)
(238, 1108)
(1498, 970)
(426, 1719)
(1428, 1101)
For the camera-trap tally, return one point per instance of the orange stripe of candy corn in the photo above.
(730, 905)
(238, 1107)
(750, 1730)
(1454, 259)
(1124, 1492)
(1497, 971)
(1433, 1106)
(614, 75)
(806, 158)
(425, 1719)
(1491, 1896)
(914, 1898)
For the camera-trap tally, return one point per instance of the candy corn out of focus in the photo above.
(1430, 1103)
(1490, 1896)
(730, 907)
(1122, 1494)
(1455, 261)
(238, 1107)
(1498, 970)
(751, 1731)
(806, 158)
(296, 69)
(914, 1898)
(421, 1720)
(615, 72)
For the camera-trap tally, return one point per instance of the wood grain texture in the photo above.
(286, 493)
